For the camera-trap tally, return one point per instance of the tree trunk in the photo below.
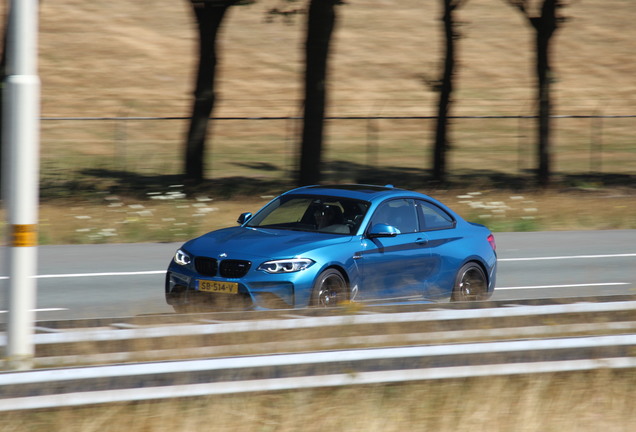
(209, 18)
(320, 24)
(545, 26)
(441, 132)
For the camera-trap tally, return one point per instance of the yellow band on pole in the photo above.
(24, 235)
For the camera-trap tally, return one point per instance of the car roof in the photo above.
(356, 191)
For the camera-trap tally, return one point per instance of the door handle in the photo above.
(421, 241)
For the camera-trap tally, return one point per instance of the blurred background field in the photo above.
(137, 58)
(140, 63)
(167, 215)
(264, 148)
(116, 94)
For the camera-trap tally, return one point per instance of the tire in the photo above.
(330, 289)
(470, 283)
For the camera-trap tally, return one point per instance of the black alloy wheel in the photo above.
(470, 283)
(330, 289)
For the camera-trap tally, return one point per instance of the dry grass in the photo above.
(117, 219)
(582, 402)
(137, 58)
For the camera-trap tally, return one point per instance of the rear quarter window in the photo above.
(433, 217)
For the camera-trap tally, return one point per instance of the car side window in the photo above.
(432, 217)
(399, 213)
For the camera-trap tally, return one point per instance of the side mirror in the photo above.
(383, 230)
(244, 217)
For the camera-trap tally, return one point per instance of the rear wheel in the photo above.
(470, 283)
(329, 290)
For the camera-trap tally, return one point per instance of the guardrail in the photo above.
(361, 347)
(123, 342)
(103, 384)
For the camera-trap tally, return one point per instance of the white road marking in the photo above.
(41, 310)
(73, 275)
(78, 275)
(628, 255)
(159, 272)
(562, 286)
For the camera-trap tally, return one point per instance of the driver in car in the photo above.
(327, 215)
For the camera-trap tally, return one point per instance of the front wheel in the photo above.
(329, 290)
(470, 283)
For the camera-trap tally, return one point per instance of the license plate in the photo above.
(218, 287)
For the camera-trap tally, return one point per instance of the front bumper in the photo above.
(257, 290)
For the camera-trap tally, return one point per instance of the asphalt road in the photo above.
(115, 280)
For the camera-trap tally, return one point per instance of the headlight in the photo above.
(182, 258)
(286, 265)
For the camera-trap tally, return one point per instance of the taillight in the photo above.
(491, 240)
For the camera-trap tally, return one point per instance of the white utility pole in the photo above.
(21, 147)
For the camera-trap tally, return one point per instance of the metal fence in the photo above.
(367, 348)
(266, 147)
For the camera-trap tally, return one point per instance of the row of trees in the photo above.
(542, 15)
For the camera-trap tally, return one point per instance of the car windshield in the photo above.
(310, 213)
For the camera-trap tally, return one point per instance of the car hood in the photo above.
(239, 242)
